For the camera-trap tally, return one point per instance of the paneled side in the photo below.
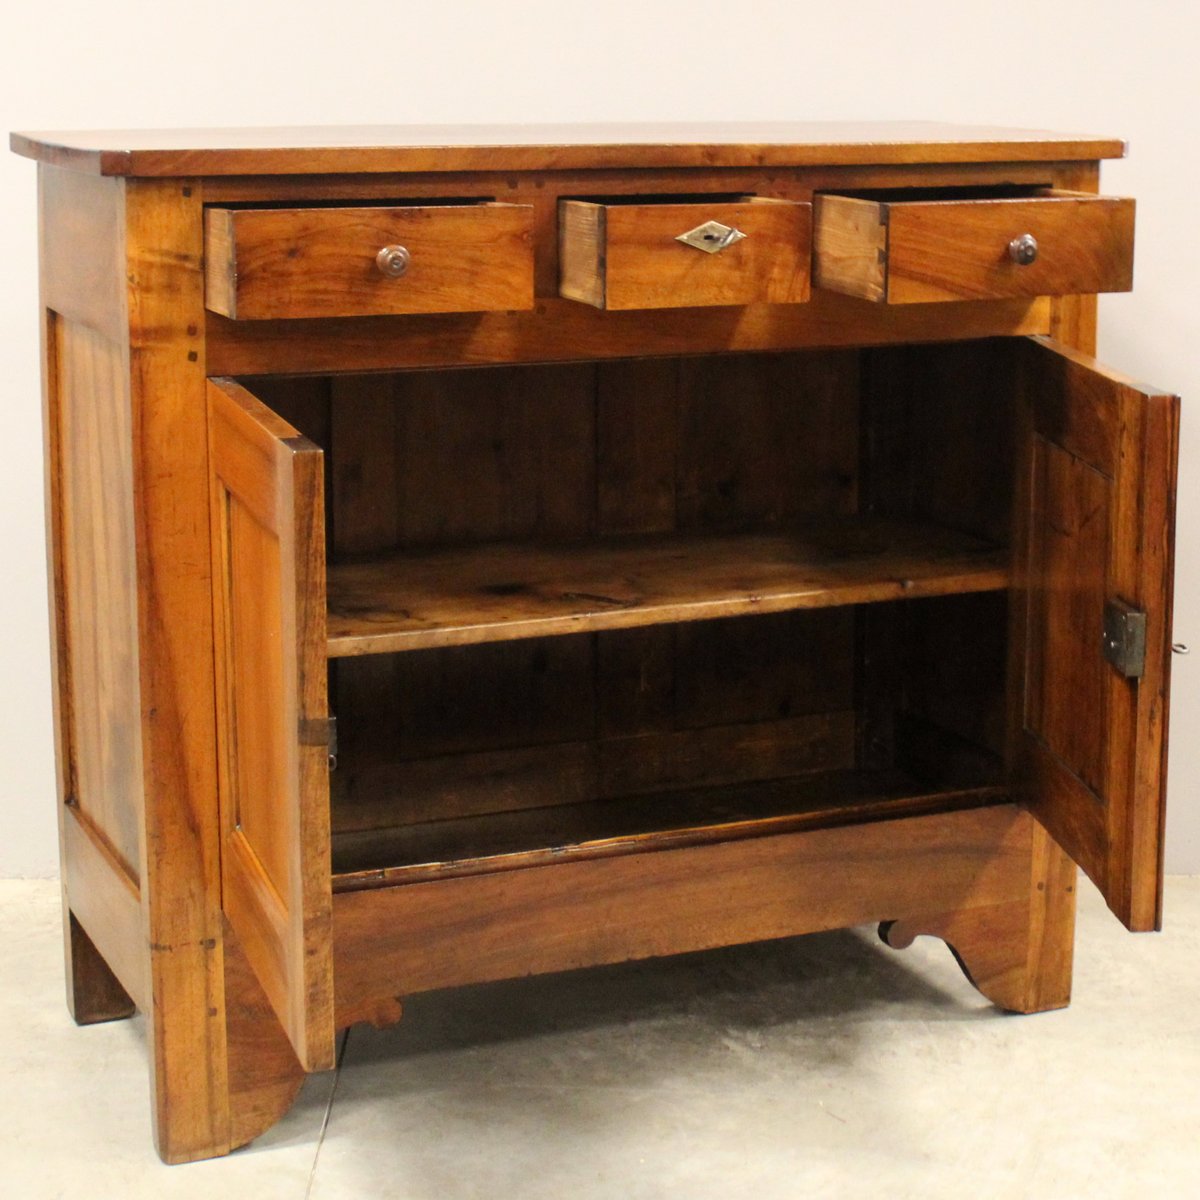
(99, 594)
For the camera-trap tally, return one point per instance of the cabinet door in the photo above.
(272, 708)
(1092, 618)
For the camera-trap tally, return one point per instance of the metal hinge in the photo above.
(1125, 638)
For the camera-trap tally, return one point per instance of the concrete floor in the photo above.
(826, 1066)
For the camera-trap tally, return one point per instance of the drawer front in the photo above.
(631, 256)
(898, 251)
(270, 264)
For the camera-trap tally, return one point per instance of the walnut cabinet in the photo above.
(483, 552)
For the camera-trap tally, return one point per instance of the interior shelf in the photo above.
(629, 825)
(499, 592)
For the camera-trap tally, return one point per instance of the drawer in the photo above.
(912, 246)
(628, 255)
(367, 260)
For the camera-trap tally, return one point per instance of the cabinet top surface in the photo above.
(424, 148)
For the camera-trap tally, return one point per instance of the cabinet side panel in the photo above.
(82, 250)
(98, 599)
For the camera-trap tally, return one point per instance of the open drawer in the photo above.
(682, 252)
(590, 648)
(913, 246)
(362, 260)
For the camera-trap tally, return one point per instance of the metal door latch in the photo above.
(333, 746)
(1125, 638)
(321, 731)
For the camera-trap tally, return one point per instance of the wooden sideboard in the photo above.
(700, 535)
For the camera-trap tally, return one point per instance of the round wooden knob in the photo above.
(1023, 250)
(393, 261)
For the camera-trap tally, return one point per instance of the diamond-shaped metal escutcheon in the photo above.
(712, 237)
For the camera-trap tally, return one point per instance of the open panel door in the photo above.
(1092, 618)
(272, 708)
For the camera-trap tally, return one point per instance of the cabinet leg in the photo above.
(248, 1077)
(93, 993)
(264, 1074)
(1017, 954)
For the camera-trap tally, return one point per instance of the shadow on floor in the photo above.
(618, 1081)
(821, 976)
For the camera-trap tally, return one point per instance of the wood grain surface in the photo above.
(440, 933)
(628, 256)
(320, 149)
(1017, 952)
(287, 263)
(510, 800)
(272, 712)
(94, 507)
(499, 592)
(1096, 523)
(656, 821)
(922, 250)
